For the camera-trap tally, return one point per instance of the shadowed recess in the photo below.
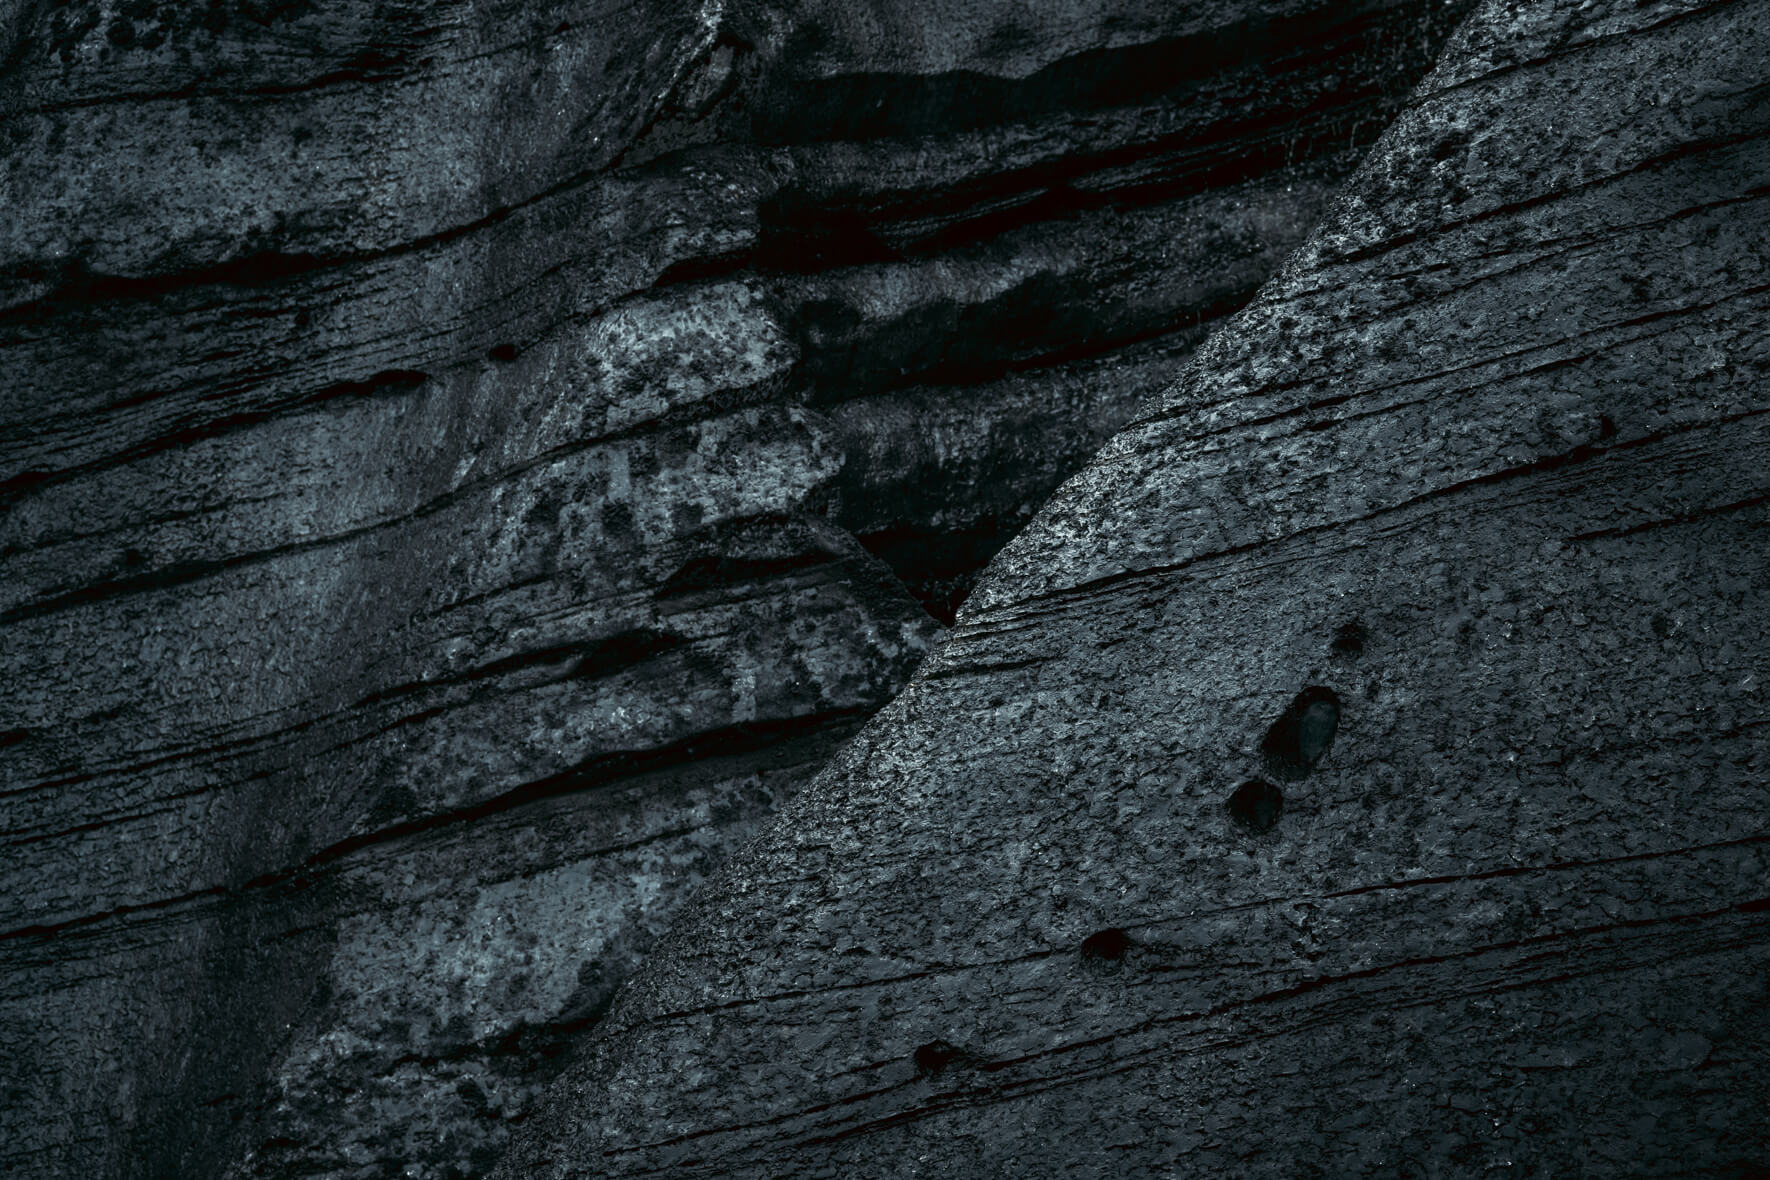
(1107, 945)
(935, 1056)
(1302, 734)
(1256, 805)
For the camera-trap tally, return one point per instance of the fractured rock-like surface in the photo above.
(1360, 768)
(446, 454)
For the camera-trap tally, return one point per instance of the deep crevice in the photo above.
(587, 660)
(939, 566)
(718, 571)
(877, 105)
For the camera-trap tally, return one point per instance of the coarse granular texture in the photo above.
(1458, 531)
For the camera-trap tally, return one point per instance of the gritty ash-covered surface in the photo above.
(463, 464)
(1453, 545)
